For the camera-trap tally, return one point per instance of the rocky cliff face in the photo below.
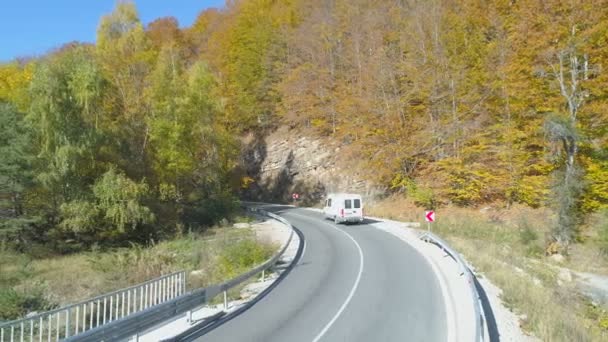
(283, 163)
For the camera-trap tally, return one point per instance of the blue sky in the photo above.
(32, 27)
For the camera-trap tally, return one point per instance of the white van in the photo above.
(344, 208)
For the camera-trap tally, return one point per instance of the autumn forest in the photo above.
(136, 137)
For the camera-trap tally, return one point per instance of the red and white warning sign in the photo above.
(429, 216)
(295, 196)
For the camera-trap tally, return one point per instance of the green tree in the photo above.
(119, 199)
(170, 129)
(216, 151)
(113, 210)
(16, 176)
(125, 57)
(62, 119)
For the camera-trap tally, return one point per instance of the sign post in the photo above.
(295, 197)
(429, 216)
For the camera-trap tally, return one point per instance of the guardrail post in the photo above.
(58, 315)
(78, 319)
(263, 274)
(225, 300)
(42, 327)
(182, 277)
(122, 305)
(128, 302)
(189, 317)
(111, 308)
(67, 322)
(105, 309)
(136, 337)
(97, 314)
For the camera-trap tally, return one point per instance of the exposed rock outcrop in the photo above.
(282, 164)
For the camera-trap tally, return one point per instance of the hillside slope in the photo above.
(287, 161)
(460, 103)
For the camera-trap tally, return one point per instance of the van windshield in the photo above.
(347, 204)
(357, 203)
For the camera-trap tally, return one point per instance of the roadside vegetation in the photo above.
(138, 137)
(114, 158)
(510, 248)
(36, 284)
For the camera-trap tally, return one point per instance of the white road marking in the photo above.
(303, 252)
(352, 290)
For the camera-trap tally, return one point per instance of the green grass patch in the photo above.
(38, 284)
(242, 256)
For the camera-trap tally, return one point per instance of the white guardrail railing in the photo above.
(123, 314)
(77, 318)
(464, 270)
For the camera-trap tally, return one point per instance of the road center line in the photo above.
(355, 285)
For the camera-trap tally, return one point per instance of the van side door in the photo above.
(327, 209)
(357, 207)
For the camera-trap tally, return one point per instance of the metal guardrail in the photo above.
(137, 319)
(78, 318)
(464, 270)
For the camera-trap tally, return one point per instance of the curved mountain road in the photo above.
(352, 283)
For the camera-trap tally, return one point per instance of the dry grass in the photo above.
(394, 208)
(507, 246)
(551, 311)
(67, 279)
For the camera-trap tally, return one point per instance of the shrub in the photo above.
(527, 235)
(242, 256)
(15, 304)
(127, 266)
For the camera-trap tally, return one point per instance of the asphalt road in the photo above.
(353, 283)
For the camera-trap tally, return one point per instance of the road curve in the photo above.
(353, 283)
